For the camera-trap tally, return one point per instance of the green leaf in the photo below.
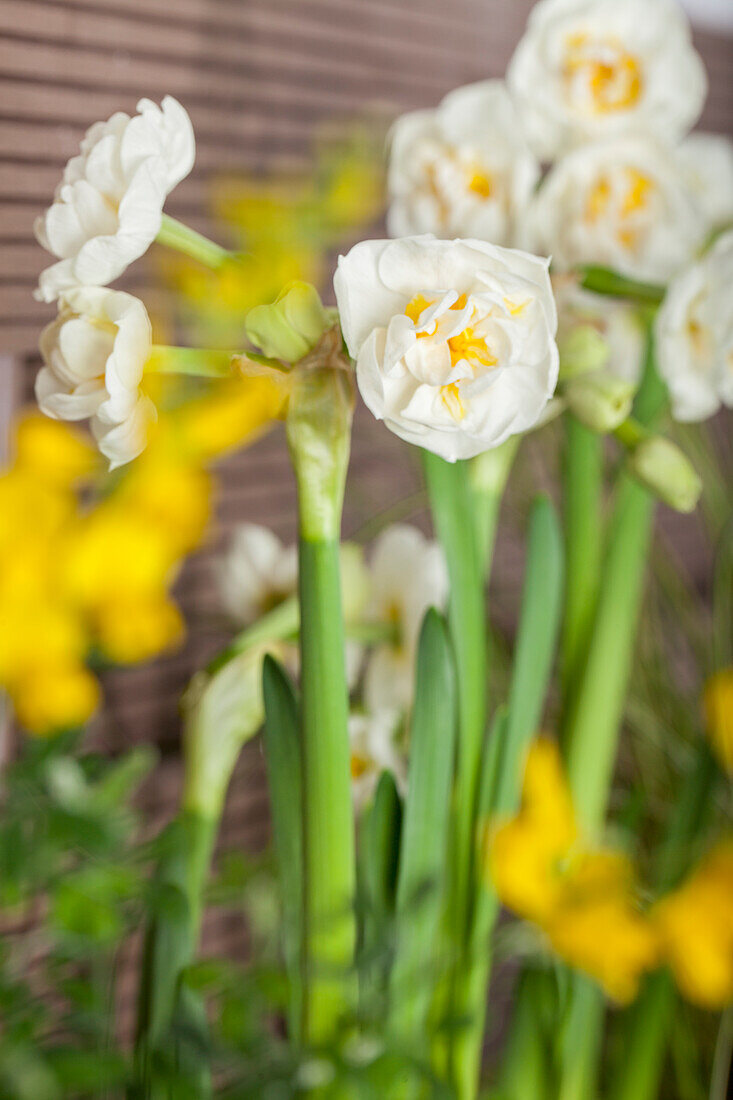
(282, 753)
(379, 838)
(423, 847)
(534, 649)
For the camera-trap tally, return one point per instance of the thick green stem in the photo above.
(318, 427)
(583, 523)
(328, 827)
(451, 502)
(176, 235)
(489, 475)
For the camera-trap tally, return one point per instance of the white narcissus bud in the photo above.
(408, 576)
(599, 400)
(694, 335)
(107, 209)
(94, 354)
(624, 204)
(589, 69)
(668, 473)
(462, 170)
(454, 341)
(597, 333)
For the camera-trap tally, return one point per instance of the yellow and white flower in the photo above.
(94, 354)
(694, 332)
(462, 170)
(454, 341)
(107, 209)
(408, 576)
(256, 574)
(373, 750)
(707, 163)
(624, 204)
(589, 69)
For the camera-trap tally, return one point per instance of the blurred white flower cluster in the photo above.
(385, 598)
(107, 211)
(583, 154)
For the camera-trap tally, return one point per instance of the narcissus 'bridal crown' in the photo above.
(694, 331)
(454, 341)
(463, 169)
(597, 68)
(107, 209)
(94, 355)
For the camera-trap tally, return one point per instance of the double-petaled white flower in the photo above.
(408, 576)
(94, 354)
(589, 69)
(107, 209)
(453, 340)
(462, 170)
(373, 750)
(625, 204)
(707, 165)
(694, 332)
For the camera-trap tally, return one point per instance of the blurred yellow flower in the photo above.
(695, 924)
(583, 899)
(133, 631)
(718, 707)
(52, 451)
(54, 697)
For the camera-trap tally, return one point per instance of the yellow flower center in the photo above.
(608, 72)
(481, 184)
(358, 766)
(634, 199)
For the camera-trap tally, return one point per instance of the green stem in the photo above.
(489, 475)
(328, 827)
(198, 362)
(176, 235)
(582, 490)
(451, 503)
(601, 280)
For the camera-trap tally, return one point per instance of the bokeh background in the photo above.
(261, 79)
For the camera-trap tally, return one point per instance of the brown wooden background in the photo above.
(257, 77)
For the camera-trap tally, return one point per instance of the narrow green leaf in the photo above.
(423, 848)
(282, 752)
(535, 647)
(379, 837)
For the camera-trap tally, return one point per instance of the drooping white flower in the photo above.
(694, 334)
(618, 324)
(94, 355)
(453, 340)
(623, 204)
(707, 164)
(593, 69)
(256, 574)
(462, 170)
(373, 750)
(107, 208)
(408, 576)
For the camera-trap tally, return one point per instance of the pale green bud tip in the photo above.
(600, 401)
(291, 326)
(663, 468)
(582, 350)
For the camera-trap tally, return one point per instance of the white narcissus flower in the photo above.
(618, 323)
(707, 164)
(408, 576)
(373, 750)
(590, 69)
(694, 335)
(107, 209)
(623, 204)
(453, 340)
(256, 574)
(94, 354)
(462, 170)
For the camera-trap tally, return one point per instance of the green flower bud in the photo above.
(291, 326)
(662, 468)
(582, 350)
(600, 401)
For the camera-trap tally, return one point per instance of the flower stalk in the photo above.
(174, 234)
